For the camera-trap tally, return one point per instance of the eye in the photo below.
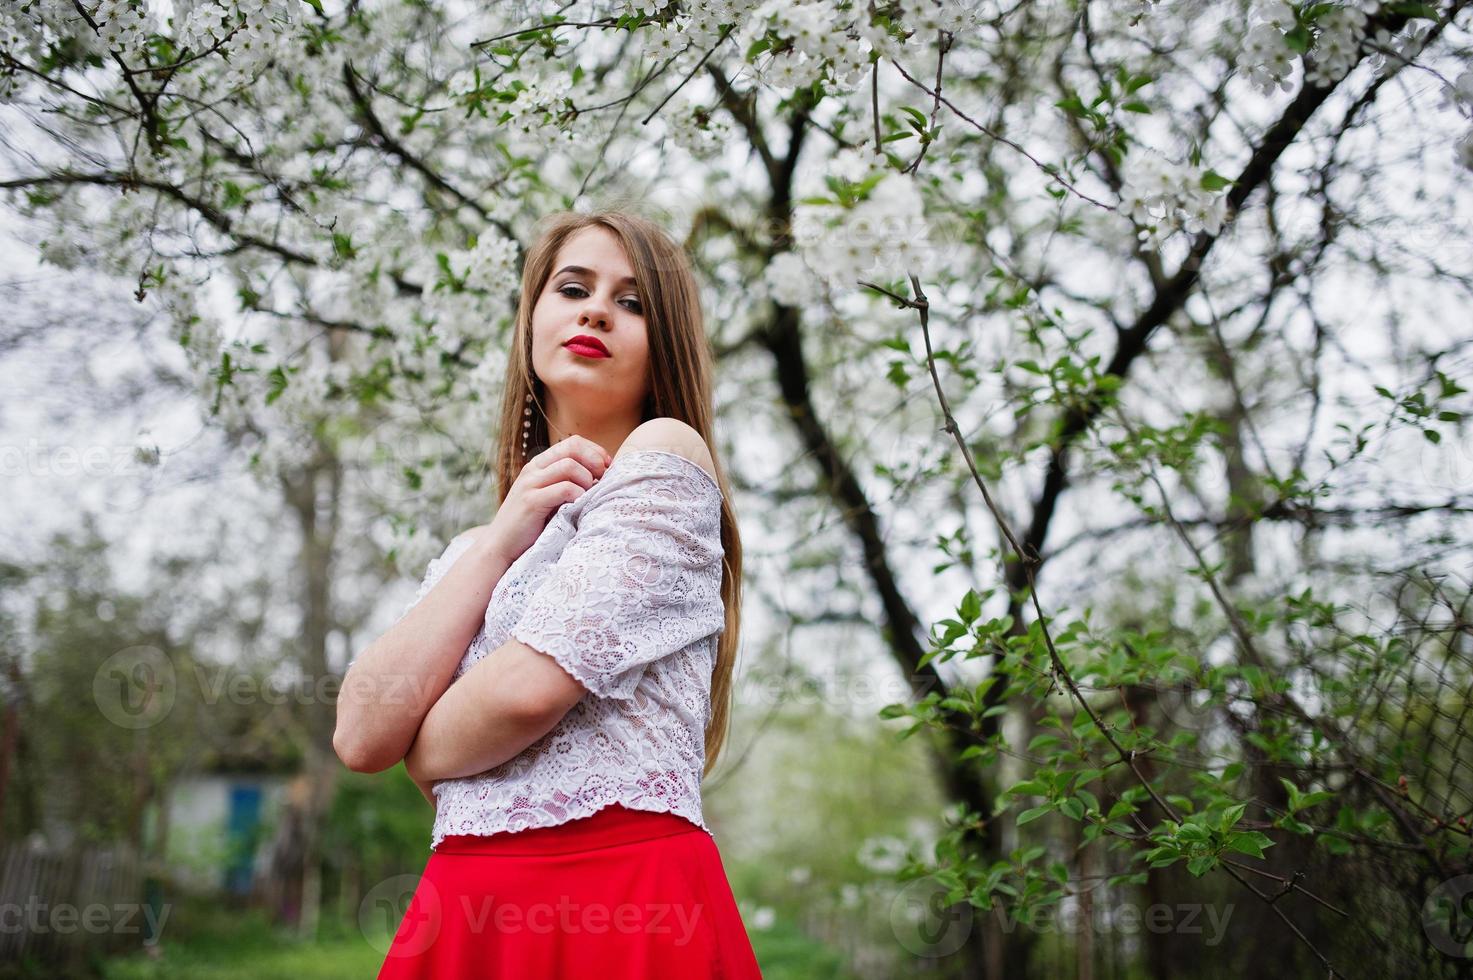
(563, 290)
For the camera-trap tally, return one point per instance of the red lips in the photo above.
(587, 346)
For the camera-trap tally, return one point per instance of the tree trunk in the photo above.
(314, 494)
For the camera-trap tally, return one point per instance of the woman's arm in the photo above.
(392, 684)
(504, 703)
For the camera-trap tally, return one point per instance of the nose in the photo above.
(593, 315)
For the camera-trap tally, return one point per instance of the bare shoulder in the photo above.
(672, 436)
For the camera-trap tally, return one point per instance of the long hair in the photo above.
(681, 387)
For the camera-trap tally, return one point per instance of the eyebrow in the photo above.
(579, 270)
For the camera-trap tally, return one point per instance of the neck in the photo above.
(609, 431)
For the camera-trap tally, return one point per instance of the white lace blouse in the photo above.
(623, 589)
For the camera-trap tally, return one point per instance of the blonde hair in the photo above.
(681, 387)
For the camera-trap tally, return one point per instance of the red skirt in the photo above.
(620, 895)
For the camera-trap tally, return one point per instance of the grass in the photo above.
(214, 943)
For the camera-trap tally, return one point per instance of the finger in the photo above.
(581, 448)
(568, 468)
(555, 495)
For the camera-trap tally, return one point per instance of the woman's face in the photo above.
(591, 293)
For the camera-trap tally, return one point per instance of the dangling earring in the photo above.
(526, 424)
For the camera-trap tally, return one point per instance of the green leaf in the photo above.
(1249, 842)
(1140, 107)
(1412, 10)
(1030, 787)
(1032, 814)
(278, 380)
(916, 114)
(1042, 741)
(1214, 181)
(1072, 808)
(1072, 105)
(1294, 794)
(971, 606)
(1199, 866)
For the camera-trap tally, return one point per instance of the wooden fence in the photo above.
(58, 908)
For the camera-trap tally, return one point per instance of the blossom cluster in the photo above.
(491, 265)
(1338, 39)
(883, 235)
(821, 41)
(537, 112)
(247, 31)
(1161, 196)
(1266, 57)
(699, 131)
(124, 24)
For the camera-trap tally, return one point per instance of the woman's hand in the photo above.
(553, 477)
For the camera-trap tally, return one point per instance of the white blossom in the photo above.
(849, 65)
(886, 235)
(1162, 196)
(850, 164)
(698, 130)
(1265, 55)
(1463, 150)
(1337, 45)
(491, 265)
(879, 40)
(1459, 94)
(790, 70)
(882, 854)
(1276, 14)
(647, 8)
(926, 17)
(124, 25)
(788, 279)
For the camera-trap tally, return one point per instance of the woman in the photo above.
(589, 631)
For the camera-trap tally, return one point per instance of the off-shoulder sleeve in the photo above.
(640, 579)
